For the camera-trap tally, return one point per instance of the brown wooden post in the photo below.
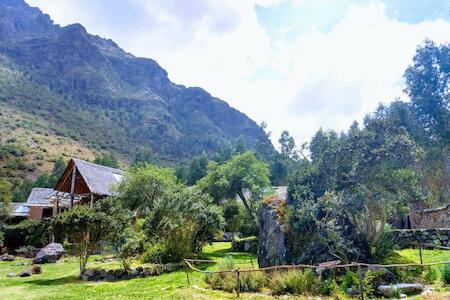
(72, 186)
(420, 254)
(92, 201)
(238, 283)
(361, 285)
(187, 277)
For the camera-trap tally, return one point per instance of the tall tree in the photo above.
(243, 175)
(143, 185)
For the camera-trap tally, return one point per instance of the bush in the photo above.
(350, 279)
(432, 274)
(160, 253)
(446, 274)
(223, 281)
(252, 281)
(294, 282)
(34, 233)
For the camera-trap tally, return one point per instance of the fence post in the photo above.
(238, 283)
(187, 277)
(420, 254)
(361, 287)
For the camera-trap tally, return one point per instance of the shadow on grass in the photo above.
(56, 281)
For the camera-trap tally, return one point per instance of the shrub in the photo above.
(294, 282)
(252, 281)
(446, 273)
(27, 233)
(223, 281)
(154, 253)
(431, 275)
(349, 280)
(128, 243)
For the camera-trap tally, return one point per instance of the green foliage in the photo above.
(184, 220)
(129, 243)
(294, 282)
(108, 160)
(446, 274)
(197, 169)
(86, 227)
(238, 175)
(234, 216)
(432, 274)
(143, 185)
(34, 233)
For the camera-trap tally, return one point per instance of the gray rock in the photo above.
(405, 288)
(26, 273)
(6, 257)
(11, 275)
(49, 254)
(271, 248)
(170, 267)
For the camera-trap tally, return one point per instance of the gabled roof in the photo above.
(18, 209)
(90, 178)
(40, 197)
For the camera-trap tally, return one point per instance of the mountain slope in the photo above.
(91, 90)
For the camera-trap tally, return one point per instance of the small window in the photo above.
(47, 212)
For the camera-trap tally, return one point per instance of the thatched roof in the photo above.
(90, 178)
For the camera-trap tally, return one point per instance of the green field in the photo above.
(60, 280)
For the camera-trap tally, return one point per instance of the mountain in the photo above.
(83, 88)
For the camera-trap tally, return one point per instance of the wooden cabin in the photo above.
(87, 182)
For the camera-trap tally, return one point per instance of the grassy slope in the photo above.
(40, 145)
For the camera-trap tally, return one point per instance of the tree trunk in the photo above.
(244, 201)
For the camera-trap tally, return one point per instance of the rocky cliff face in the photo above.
(271, 248)
(91, 78)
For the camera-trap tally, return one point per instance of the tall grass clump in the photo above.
(294, 282)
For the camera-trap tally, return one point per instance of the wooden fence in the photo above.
(358, 265)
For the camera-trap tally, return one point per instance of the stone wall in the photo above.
(271, 247)
(430, 218)
(405, 238)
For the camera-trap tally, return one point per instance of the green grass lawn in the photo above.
(60, 280)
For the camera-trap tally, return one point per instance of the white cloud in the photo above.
(317, 79)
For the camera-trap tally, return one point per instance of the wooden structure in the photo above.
(88, 182)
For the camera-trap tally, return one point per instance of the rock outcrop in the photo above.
(49, 254)
(271, 246)
(6, 257)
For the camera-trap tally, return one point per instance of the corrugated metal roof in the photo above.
(99, 179)
(40, 197)
(18, 209)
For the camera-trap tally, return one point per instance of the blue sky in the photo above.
(296, 64)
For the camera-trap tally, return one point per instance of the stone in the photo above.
(11, 275)
(353, 291)
(404, 288)
(7, 257)
(271, 249)
(26, 273)
(170, 267)
(49, 254)
(383, 276)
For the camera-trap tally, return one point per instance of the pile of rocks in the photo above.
(121, 274)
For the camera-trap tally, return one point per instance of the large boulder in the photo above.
(6, 257)
(271, 247)
(49, 254)
(405, 288)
